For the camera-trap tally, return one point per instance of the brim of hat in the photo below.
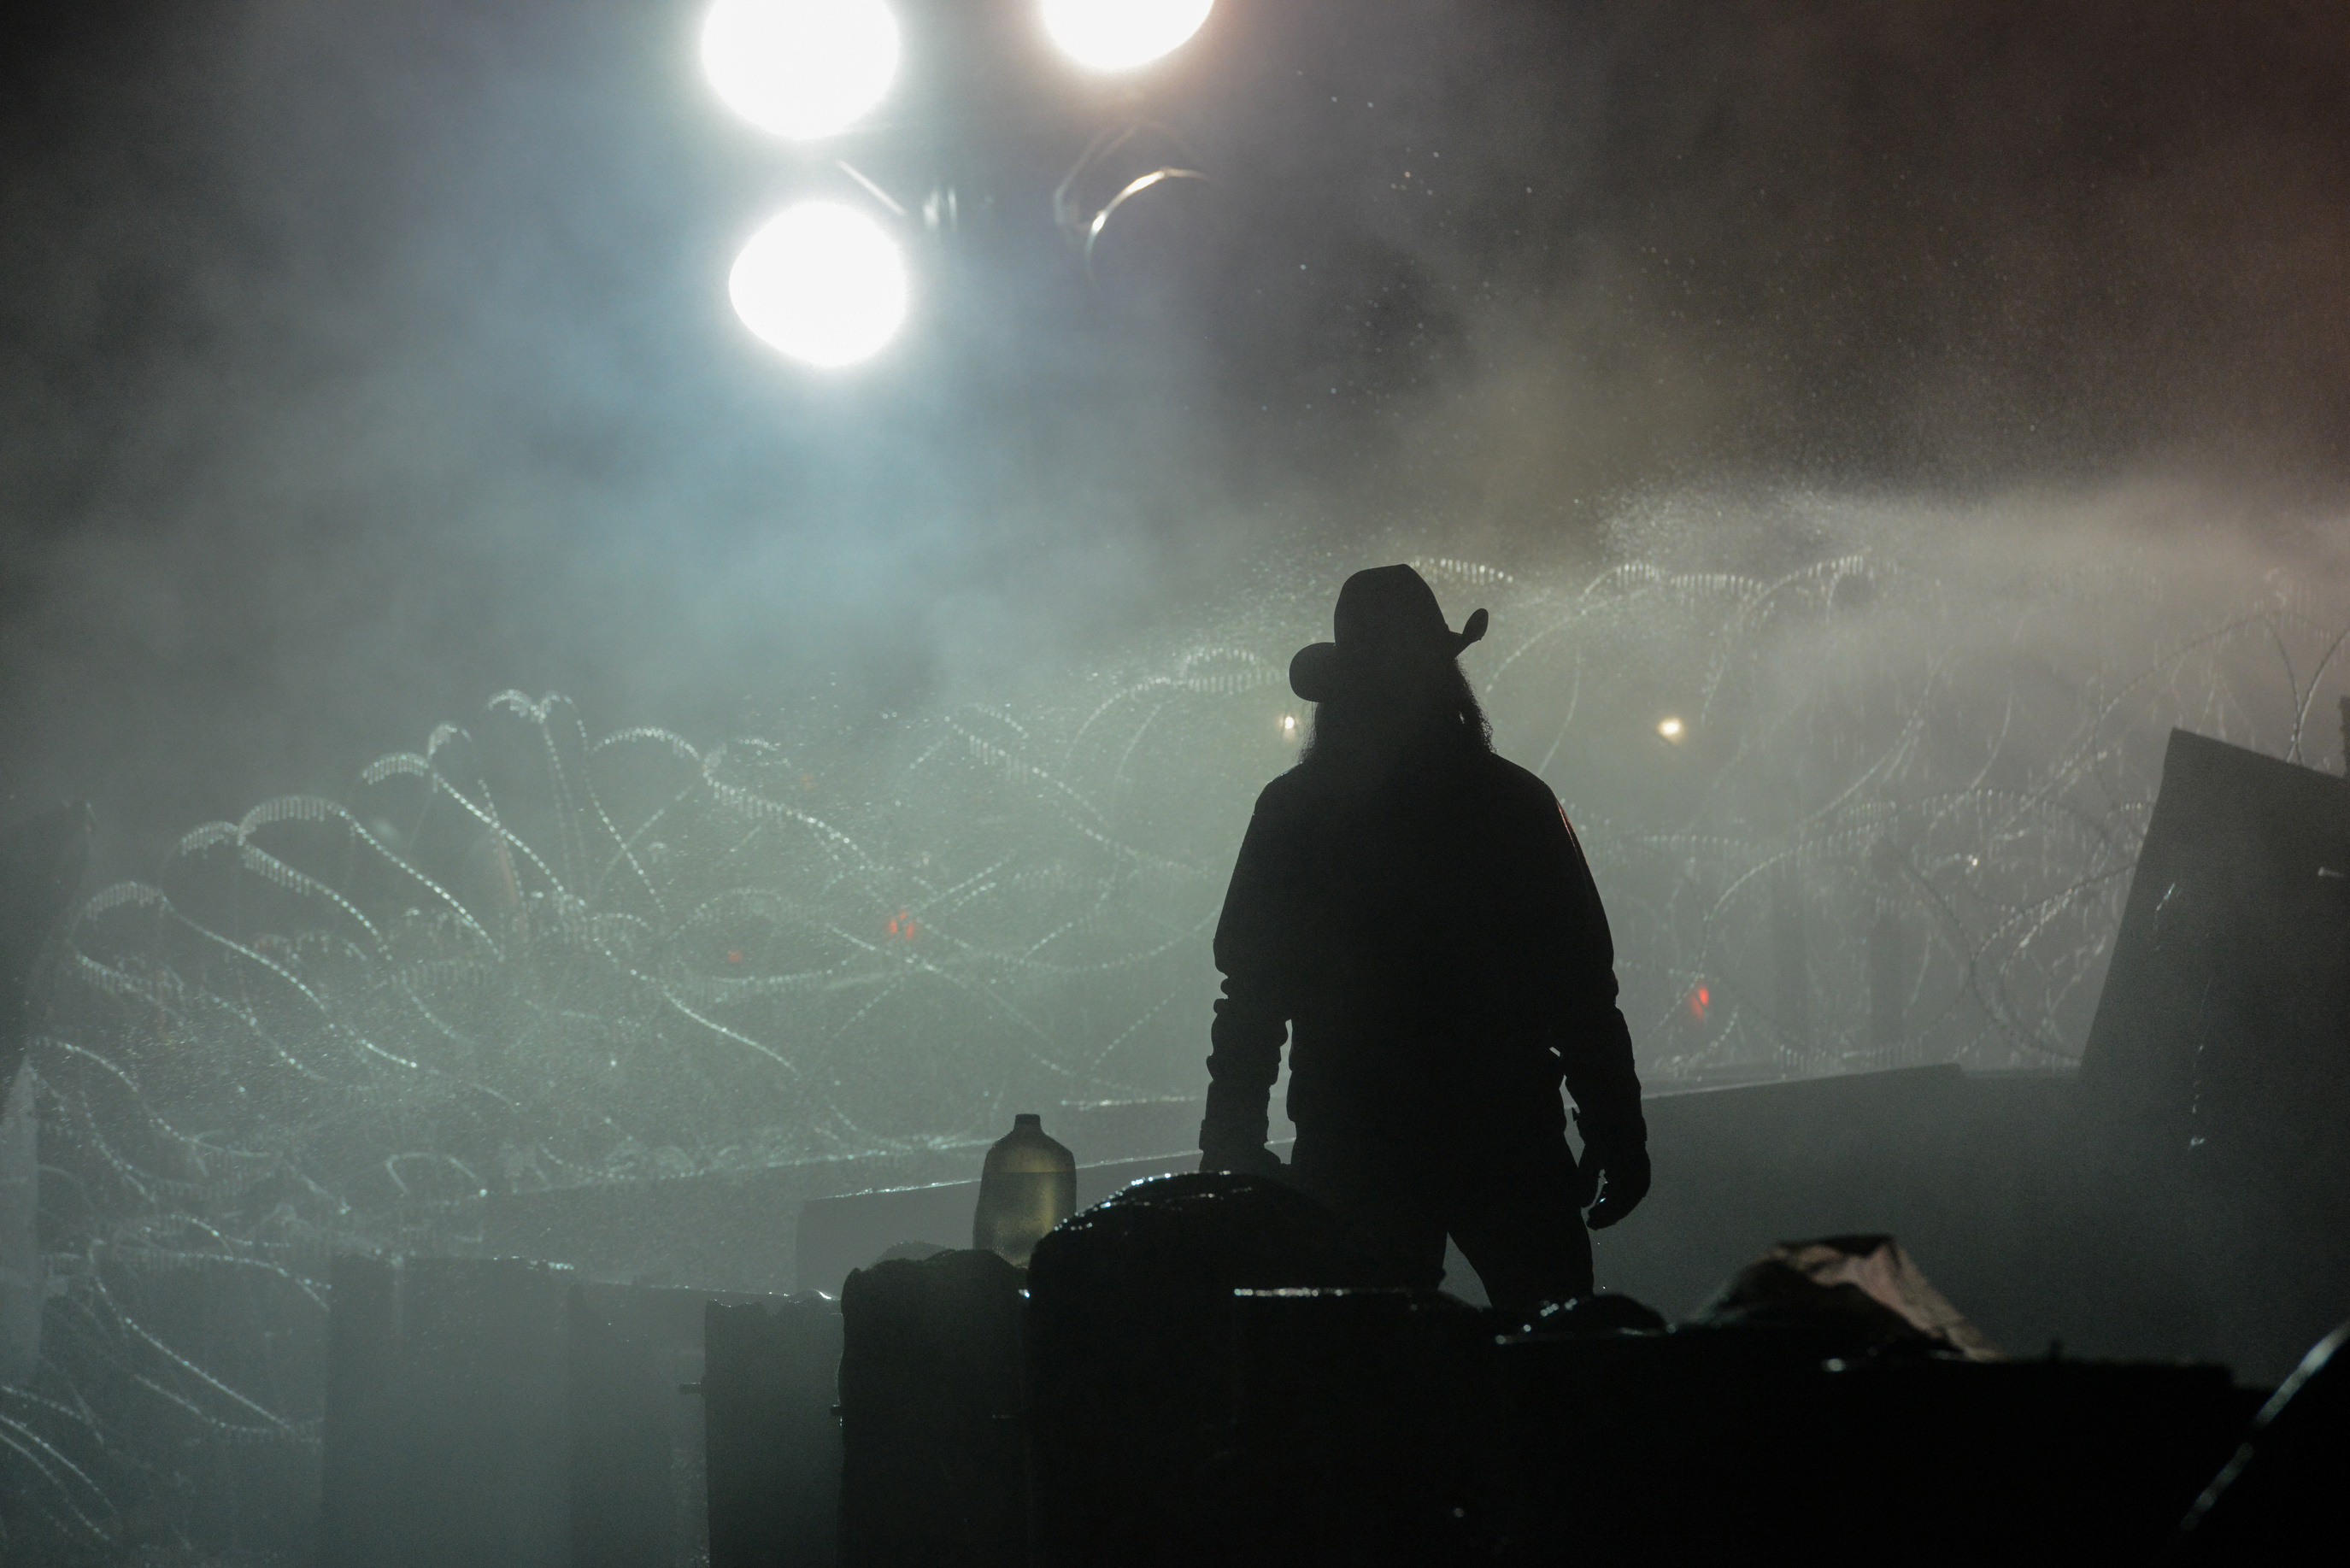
(1314, 671)
(1319, 669)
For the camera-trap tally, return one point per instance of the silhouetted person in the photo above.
(1415, 914)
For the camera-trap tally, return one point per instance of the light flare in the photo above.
(1119, 34)
(800, 69)
(823, 283)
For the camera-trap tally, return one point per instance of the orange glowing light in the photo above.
(1701, 997)
(903, 924)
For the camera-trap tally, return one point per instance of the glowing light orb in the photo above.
(1289, 731)
(822, 282)
(1670, 728)
(1119, 34)
(801, 68)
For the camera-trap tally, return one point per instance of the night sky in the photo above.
(357, 362)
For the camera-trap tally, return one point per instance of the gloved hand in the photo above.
(1243, 1159)
(1626, 1166)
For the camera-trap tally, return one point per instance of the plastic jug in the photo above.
(1028, 1185)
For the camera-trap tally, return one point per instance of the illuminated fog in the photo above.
(539, 735)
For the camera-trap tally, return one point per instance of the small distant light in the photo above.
(1288, 725)
(1670, 728)
(801, 68)
(1119, 34)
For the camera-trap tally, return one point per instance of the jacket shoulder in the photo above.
(1286, 792)
(1520, 785)
(1530, 801)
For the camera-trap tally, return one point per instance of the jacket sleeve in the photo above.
(1252, 1014)
(1594, 1043)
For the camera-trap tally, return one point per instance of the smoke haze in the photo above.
(540, 738)
(363, 361)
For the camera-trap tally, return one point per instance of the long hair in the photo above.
(1347, 728)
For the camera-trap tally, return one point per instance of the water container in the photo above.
(1028, 1185)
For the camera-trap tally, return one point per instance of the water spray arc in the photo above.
(1896, 828)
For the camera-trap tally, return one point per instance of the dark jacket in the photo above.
(1434, 948)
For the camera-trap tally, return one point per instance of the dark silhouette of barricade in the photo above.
(934, 1466)
(1134, 1405)
(1743, 1444)
(2217, 1066)
(504, 1414)
(769, 1386)
(2222, 1035)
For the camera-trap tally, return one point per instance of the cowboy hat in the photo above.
(1382, 611)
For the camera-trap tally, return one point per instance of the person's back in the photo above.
(1414, 913)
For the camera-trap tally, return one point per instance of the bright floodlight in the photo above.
(822, 282)
(1118, 34)
(1670, 728)
(801, 68)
